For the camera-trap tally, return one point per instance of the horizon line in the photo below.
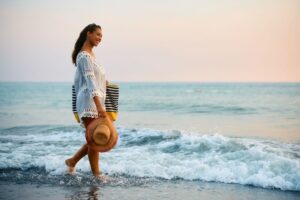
(158, 81)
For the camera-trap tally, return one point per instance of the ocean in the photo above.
(176, 141)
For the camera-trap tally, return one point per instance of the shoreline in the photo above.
(158, 190)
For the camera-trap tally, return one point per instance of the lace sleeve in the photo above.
(86, 67)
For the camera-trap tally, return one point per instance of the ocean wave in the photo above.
(220, 109)
(182, 107)
(147, 153)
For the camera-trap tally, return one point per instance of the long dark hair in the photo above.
(81, 39)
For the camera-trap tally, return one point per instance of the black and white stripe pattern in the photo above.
(74, 109)
(111, 100)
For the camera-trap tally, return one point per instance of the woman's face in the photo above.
(95, 37)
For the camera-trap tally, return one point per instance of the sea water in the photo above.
(238, 133)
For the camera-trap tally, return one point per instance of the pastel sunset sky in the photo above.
(157, 40)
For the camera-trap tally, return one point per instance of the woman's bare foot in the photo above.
(71, 167)
(102, 178)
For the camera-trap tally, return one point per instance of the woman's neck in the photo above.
(87, 47)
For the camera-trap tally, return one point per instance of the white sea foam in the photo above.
(164, 154)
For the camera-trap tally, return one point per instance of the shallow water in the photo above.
(157, 190)
(270, 110)
(240, 136)
(37, 154)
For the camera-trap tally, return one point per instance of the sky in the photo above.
(154, 41)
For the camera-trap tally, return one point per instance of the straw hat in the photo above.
(103, 137)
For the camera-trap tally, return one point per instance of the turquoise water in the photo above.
(233, 109)
(241, 133)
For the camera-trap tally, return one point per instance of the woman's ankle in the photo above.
(70, 162)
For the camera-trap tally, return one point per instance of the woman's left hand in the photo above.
(106, 82)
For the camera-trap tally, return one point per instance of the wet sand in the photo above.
(175, 190)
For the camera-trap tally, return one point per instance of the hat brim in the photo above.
(113, 136)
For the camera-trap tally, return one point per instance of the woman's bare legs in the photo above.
(84, 150)
(94, 155)
(93, 158)
(71, 162)
(94, 161)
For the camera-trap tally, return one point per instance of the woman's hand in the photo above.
(100, 109)
(101, 112)
(106, 82)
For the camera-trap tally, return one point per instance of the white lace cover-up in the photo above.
(89, 81)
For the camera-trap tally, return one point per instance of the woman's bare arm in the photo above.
(98, 103)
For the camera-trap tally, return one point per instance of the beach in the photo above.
(159, 190)
(176, 141)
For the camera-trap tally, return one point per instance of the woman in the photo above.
(90, 87)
